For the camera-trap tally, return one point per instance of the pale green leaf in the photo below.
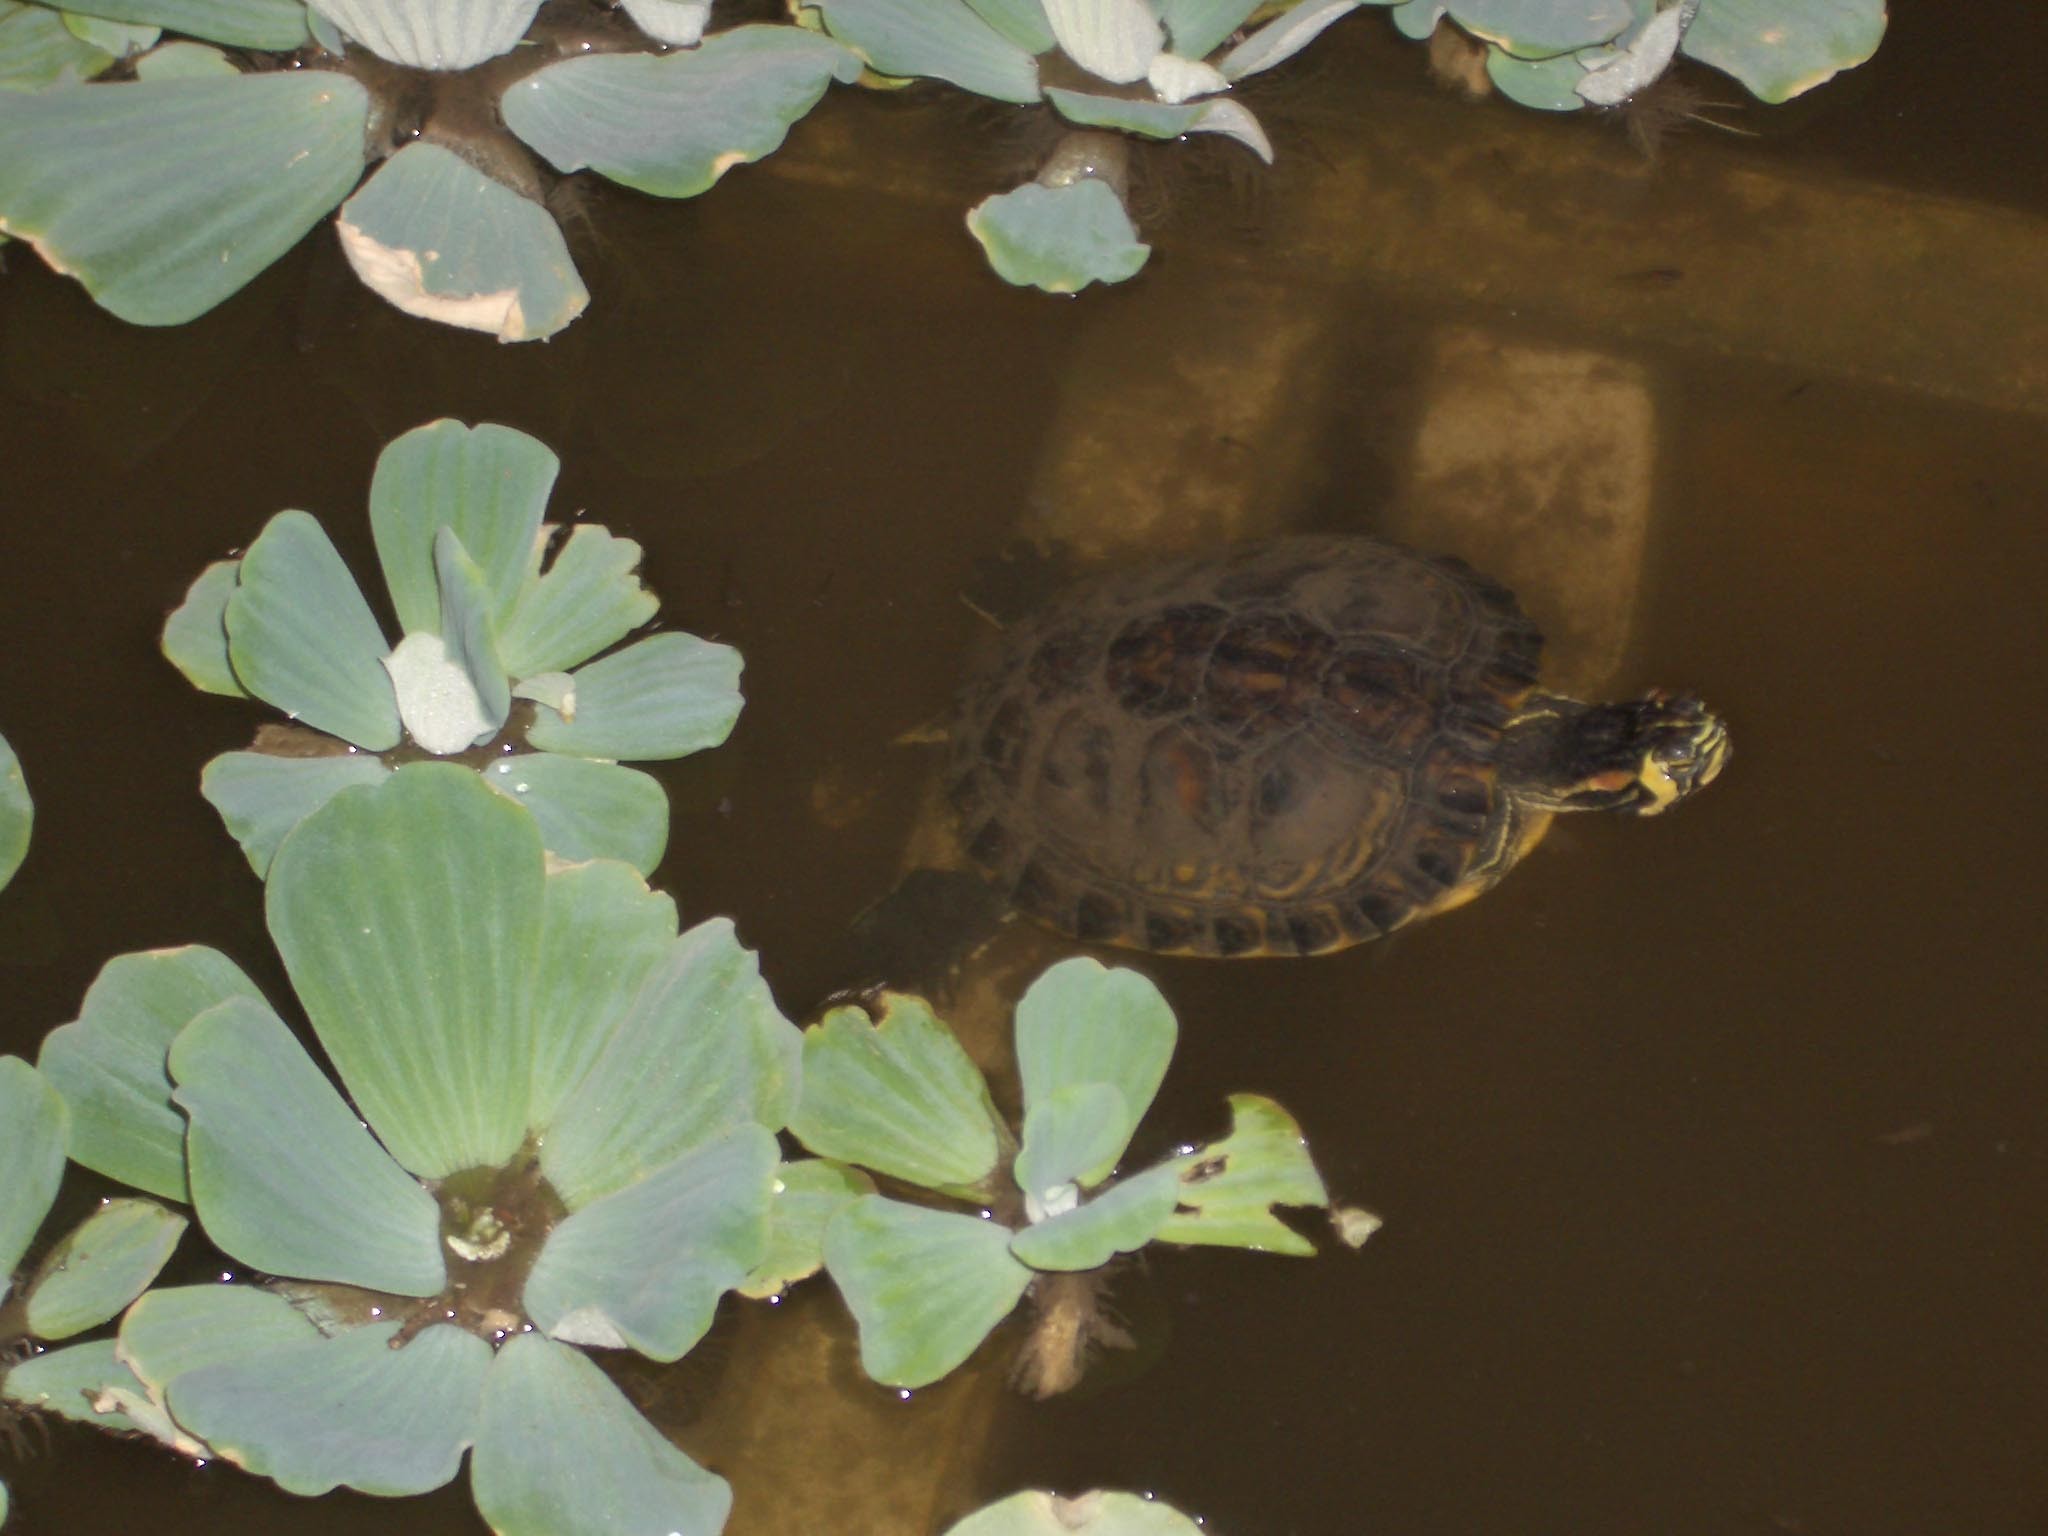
(166, 196)
(665, 696)
(1022, 22)
(284, 1176)
(488, 483)
(319, 1413)
(808, 1193)
(1229, 1189)
(1547, 85)
(1199, 27)
(1541, 29)
(196, 634)
(408, 914)
(441, 240)
(184, 61)
(120, 38)
(1417, 18)
(76, 1382)
(31, 1158)
(702, 1049)
(1037, 1513)
(261, 797)
(101, 1265)
(896, 1094)
(942, 41)
(1082, 1022)
(469, 627)
(1782, 48)
(1283, 37)
(678, 23)
(432, 34)
(1114, 40)
(602, 934)
(109, 1063)
(175, 1329)
(277, 26)
(643, 1268)
(589, 597)
(438, 701)
(17, 814)
(1122, 1219)
(1059, 239)
(301, 636)
(672, 124)
(587, 809)
(1073, 1135)
(38, 51)
(561, 1452)
(926, 1287)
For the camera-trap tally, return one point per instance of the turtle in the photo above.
(1287, 748)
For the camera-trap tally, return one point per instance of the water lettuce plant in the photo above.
(225, 160)
(1153, 69)
(893, 1092)
(83, 1281)
(1562, 55)
(559, 1134)
(500, 614)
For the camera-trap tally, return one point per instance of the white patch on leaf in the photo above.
(437, 702)
(1176, 79)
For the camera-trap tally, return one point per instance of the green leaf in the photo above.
(176, 1329)
(1416, 19)
(432, 34)
(31, 1158)
(1283, 37)
(119, 38)
(587, 809)
(926, 1287)
(74, 1382)
(1545, 85)
(1037, 1513)
(643, 1268)
(184, 61)
(1114, 40)
(665, 696)
(808, 1193)
(896, 1094)
(672, 124)
(103, 1264)
(488, 483)
(1020, 21)
(1199, 27)
(38, 51)
(261, 797)
(702, 1049)
(1081, 1022)
(589, 597)
(196, 634)
(441, 240)
(468, 626)
(109, 1063)
(166, 196)
(679, 23)
(277, 26)
(1059, 239)
(1229, 1189)
(1784, 48)
(1541, 29)
(560, 1452)
(283, 1174)
(318, 1413)
(17, 813)
(1077, 1131)
(1162, 120)
(942, 41)
(301, 637)
(1122, 1219)
(602, 934)
(408, 914)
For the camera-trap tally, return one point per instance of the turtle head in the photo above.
(1641, 757)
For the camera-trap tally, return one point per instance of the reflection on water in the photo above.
(1708, 1148)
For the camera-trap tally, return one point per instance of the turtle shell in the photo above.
(1285, 748)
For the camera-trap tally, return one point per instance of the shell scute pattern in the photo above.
(1282, 749)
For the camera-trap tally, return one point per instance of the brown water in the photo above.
(1710, 1150)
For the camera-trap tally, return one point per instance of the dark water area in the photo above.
(1711, 1150)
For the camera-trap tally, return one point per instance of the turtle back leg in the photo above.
(1642, 756)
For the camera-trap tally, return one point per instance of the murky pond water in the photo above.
(1711, 1149)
